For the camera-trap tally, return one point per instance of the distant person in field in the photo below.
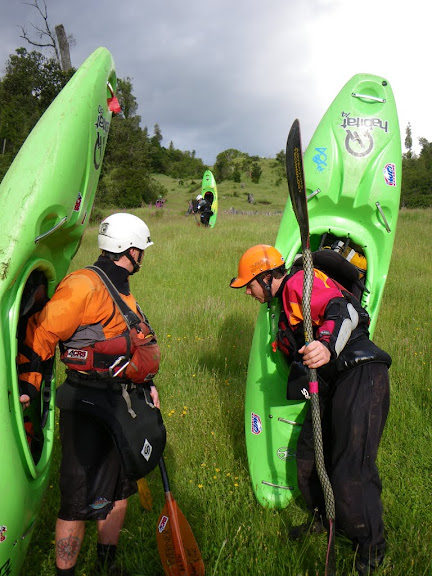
(353, 389)
(204, 210)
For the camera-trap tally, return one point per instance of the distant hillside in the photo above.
(269, 195)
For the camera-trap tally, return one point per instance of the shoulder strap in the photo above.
(128, 314)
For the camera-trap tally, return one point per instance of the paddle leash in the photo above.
(177, 547)
(297, 191)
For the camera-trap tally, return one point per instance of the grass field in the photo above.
(205, 331)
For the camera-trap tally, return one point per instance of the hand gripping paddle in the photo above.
(177, 547)
(297, 191)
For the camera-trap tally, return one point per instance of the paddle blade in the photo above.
(296, 181)
(145, 496)
(177, 547)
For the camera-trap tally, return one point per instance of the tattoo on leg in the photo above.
(67, 548)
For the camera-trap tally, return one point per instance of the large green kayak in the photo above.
(209, 192)
(46, 196)
(353, 176)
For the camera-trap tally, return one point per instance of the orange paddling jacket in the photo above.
(80, 314)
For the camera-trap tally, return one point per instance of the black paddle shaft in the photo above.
(297, 191)
(164, 475)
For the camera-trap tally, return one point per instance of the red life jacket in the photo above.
(134, 355)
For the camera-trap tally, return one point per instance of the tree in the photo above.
(157, 135)
(408, 141)
(58, 42)
(30, 84)
(280, 158)
(126, 98)
(417, 177)
(222, 167)
(256, 173)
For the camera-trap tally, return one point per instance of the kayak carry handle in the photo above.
(386, 224)
(368, 97)
(56, 227)
(312, 194)
(292, 422)
(273, 485)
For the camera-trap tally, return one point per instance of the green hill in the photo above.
(269, 195)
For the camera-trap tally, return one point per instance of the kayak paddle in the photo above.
(177, 547)
(145, 495)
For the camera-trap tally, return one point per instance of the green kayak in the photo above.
(209, 192)
(353, 167)
(47, 196)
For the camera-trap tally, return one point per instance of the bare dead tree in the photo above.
(57, 42)
(63, 44)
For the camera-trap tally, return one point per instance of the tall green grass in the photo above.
(205, 331)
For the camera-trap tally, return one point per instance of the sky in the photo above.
(219, 74)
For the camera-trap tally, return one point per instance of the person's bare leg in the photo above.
(109, 529)
(69, 537)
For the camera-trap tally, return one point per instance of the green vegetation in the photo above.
(133, 156)
(205, 331)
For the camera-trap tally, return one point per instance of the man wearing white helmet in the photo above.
(81, 316)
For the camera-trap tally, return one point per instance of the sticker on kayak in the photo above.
(390, 174)
(3, 530)
(102, 128)
(162, 524)
(78, 202)
(359, 141)
(359, 145)
(320, 159)
(367, 124)
(256, 424)
(6, 569)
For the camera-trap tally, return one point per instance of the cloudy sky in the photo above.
(218, 74)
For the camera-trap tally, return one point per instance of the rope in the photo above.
(315, 406)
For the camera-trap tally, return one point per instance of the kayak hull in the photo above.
(209, 191)
(47, 196)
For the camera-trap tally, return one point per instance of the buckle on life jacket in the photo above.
(116, 363)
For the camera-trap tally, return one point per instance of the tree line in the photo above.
(32, 81)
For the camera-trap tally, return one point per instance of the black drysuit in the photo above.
(354, 401)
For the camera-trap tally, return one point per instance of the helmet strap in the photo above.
(266, 287)
(135, 263)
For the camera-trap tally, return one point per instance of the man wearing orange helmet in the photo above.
(354, 393)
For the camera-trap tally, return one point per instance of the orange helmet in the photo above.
(254, 261)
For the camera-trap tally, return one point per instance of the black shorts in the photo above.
(91, 477)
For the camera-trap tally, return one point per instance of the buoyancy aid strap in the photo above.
(127, 399)
(128, 314)
(34, 360)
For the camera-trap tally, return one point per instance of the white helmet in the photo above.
(121, 231)
(199, 197)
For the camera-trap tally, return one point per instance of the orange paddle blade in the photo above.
(178, 549)
(145, 496)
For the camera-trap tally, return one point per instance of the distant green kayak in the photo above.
(353, 168)
(46, 196)
(209, 192)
